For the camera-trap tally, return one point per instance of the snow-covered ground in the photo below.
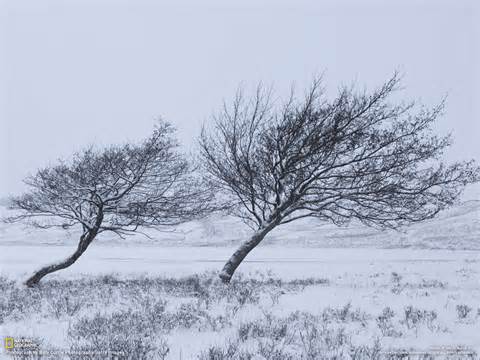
(292, 263)
(425, 290)
(428, 277)
(456, 228)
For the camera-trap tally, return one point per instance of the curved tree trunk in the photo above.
(238, 256)
(85, 240)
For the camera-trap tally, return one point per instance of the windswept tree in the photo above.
(358, 156)
(120, 189)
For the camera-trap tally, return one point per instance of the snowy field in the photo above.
(392, 300)
(303, 299)
(455, 228)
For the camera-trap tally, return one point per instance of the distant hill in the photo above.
(456, 228)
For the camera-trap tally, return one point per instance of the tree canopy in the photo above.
(357, 156)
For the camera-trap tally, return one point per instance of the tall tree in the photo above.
(119, 189)
(359, 156)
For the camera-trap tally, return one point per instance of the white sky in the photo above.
(78, 72)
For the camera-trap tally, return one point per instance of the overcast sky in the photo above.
(74, 73)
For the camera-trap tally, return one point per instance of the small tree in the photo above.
(118, 189)
(357, 156)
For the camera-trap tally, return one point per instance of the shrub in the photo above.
(415, 317)
(65, 305)
(365, 352)
(397, 286)
(463, 311)
(384, 323)
(228, 352)
(344, 314)
(121, 335)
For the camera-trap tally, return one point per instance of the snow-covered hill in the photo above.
(456, 228)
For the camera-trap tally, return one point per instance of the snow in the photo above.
(456, 228)
(361, 277)
(293, 263)
(358, 262)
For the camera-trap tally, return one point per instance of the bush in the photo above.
(344, 314)
(397, 286)
(415, 317)
(385, 324)
(66, 305)
(121, 335)
(228, 352)
(463, 311)
(365, 352)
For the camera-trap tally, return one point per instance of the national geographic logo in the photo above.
(9, 343)
(20, 344)
(23, 348)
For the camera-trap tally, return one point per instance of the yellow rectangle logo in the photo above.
(9, 343)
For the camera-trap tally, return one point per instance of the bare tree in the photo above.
(118, 189)
(358, 156)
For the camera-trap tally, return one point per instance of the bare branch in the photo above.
(357, 156)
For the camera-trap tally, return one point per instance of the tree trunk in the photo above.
(85, 240)
(238, 256)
